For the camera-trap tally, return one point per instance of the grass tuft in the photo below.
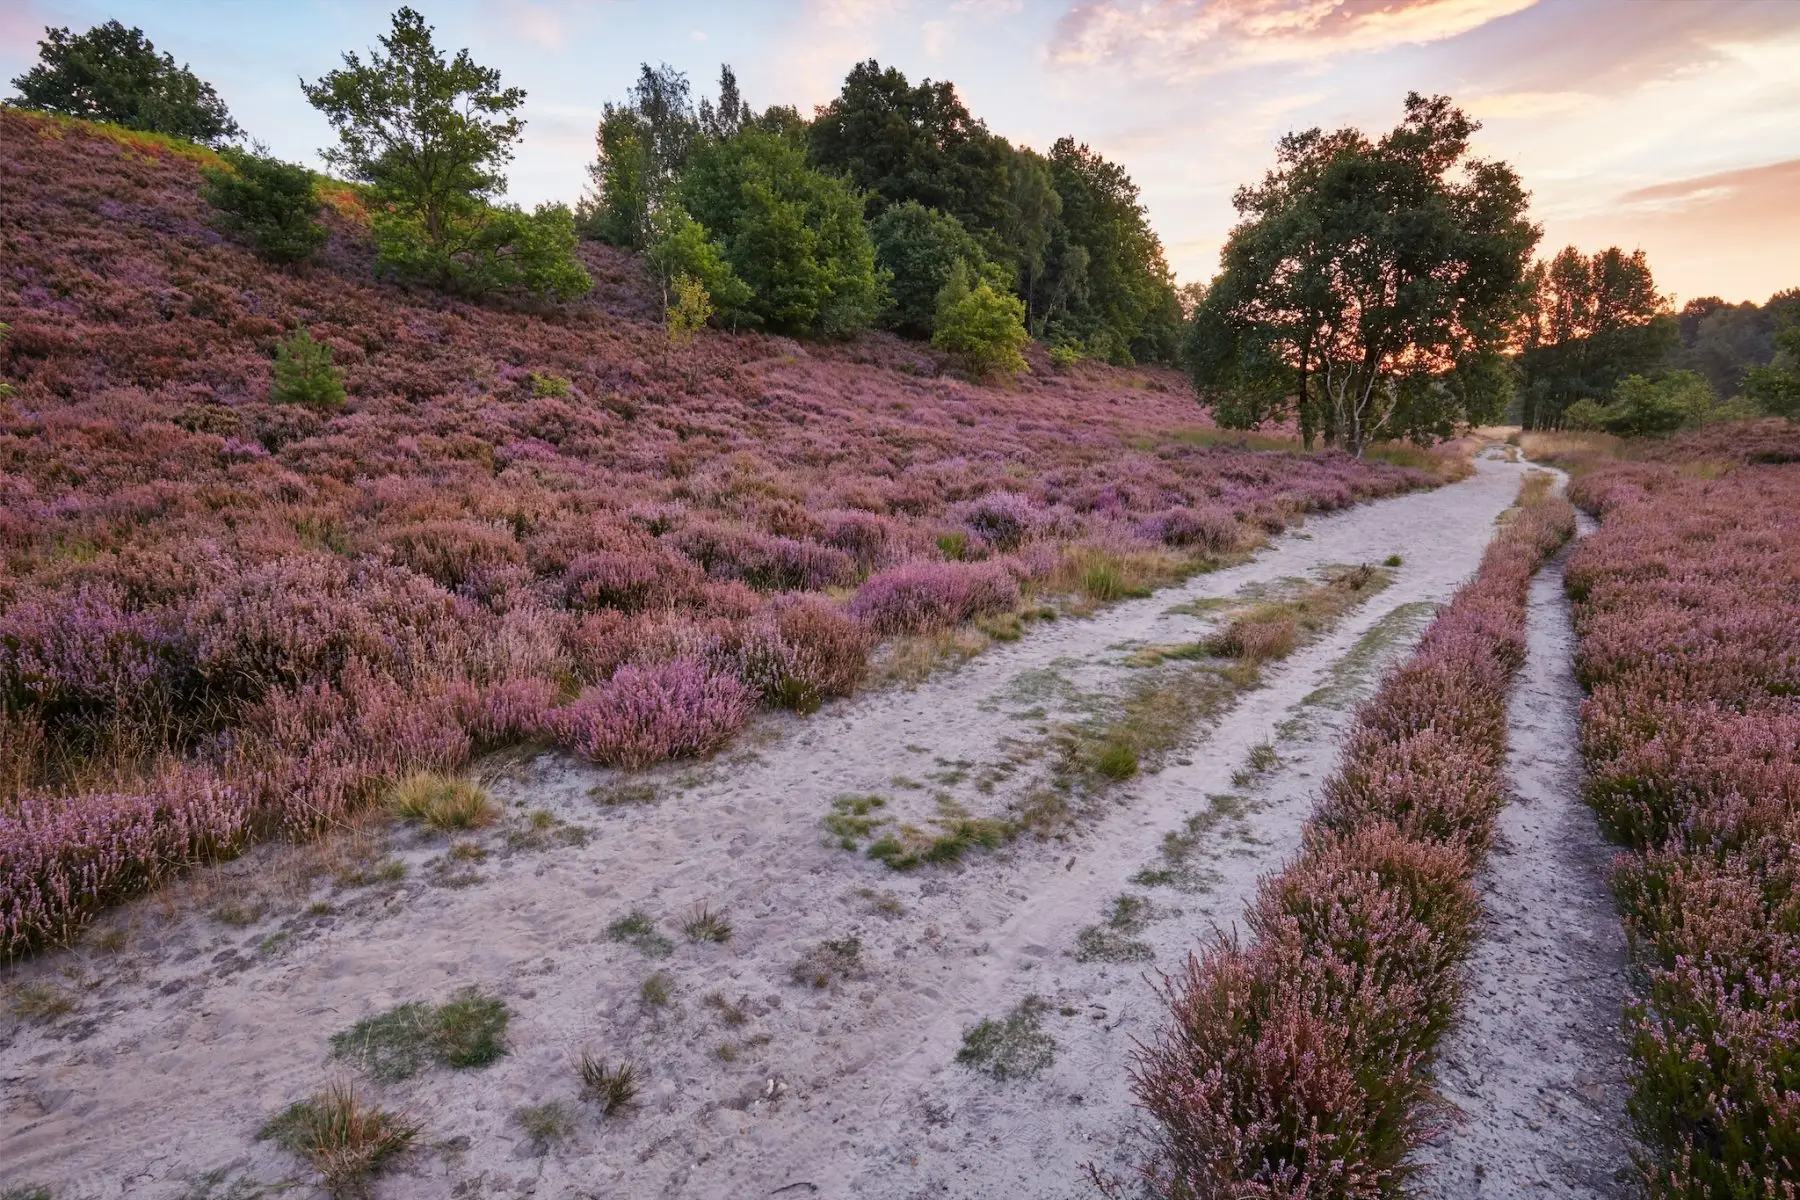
(829, 961)
(546, 1124)
(614, 1089)
(442, 802)
(636, 928)
(468, 1031)
(657, 990)
(344, 1137)
(705, 925)
(1014, 1047)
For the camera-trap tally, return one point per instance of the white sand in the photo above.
(189, 1038)
(1537, 1064)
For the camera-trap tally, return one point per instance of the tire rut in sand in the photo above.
(850, 1087)
(1536, 1066)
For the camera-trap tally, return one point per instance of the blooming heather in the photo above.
(302, 604)
(1297, 1067)
(645, 714)
(1688, 613)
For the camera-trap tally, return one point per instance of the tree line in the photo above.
(1386, 288)
(1375, 287)
(892, 205)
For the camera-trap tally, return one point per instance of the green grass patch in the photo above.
(636, 928)
(1014, 1047)
(466, 1032)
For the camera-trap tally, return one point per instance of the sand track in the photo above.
(1537, 1062)
(185, 1040)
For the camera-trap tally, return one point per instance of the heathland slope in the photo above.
(221, 615)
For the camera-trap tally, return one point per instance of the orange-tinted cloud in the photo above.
(1197, 37)
(1734, 234)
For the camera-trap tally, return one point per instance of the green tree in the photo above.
(617, 209)
(270, 204)
(431, 135)
(1108, 285)
(981, 323)
(1775, 388)
(681, 249)
(1588, 323)
(897, 141)
(921, 249)
(111, 73)
(794, 235)
(1647, 407)
(1371, 285)
(304, 374)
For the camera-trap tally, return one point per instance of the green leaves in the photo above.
(794, 236)
(982, 324)
(430, 134)
(1371, 285)
(270, 204)
(304, 374)
(111, 73)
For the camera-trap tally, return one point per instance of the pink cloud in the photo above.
(1197, 37)
(1731, 233)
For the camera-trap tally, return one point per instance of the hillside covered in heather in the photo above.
(220, 615)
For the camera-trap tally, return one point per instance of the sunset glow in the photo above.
(1664, 124)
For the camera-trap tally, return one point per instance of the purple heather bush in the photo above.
(196, 583)
(1299, 1066)
(1688, 611)
(646, 714)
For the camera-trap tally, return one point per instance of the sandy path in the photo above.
(1537, 1064)
(185, 1040)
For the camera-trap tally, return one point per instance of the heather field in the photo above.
(1687, 602)
(602, 756)
(225, 617)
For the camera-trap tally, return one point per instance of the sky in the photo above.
(1670, 125)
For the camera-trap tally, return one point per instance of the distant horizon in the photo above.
(1656, 124)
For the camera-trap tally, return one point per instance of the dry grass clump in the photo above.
(545, 1124)
(443, 802)
(706, 925)
(614, 1088)
(830, 961)
(343, 1136)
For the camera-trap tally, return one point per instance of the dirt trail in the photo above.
(195, 1031)
(1537, 1063)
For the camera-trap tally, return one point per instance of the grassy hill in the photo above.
(221, 616)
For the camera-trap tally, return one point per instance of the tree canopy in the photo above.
(1371, 286)
(431, 135)
(111, 73)
(1589, 322)
(794, 235)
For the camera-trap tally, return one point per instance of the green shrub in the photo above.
(304, 374)
(681, 248)
(546, 384)
(920, 248)
(689, 309)
(1064, 355)
(487, 251)
(983, 325)
(795, 236)
(271, 205)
